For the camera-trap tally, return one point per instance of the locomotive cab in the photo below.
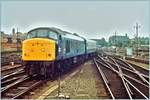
(39, 51)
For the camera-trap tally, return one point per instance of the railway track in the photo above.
(142, 70)
(10, 78)
(138, 60)
(10, 74)
(20, 88)
(17, 85)
(122, 80)
(6, 70)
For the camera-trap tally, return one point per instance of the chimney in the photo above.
(14, 35)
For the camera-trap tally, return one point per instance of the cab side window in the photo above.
(52, 35)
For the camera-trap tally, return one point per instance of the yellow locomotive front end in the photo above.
(39, 52)
(38, 49)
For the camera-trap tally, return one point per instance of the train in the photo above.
(49, 50)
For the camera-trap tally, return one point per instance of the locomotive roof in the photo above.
(59, 31)
(89, 40)
(72, 36)
(48, 28)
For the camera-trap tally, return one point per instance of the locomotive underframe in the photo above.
(49, 69)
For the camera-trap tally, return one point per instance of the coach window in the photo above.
(67, 46)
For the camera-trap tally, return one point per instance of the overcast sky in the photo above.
(92, 19)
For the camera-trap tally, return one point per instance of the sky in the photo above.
(91, 19)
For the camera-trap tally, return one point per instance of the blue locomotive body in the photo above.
(68, 49)
(69, 45)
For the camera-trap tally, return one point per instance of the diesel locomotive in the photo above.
(47, 50)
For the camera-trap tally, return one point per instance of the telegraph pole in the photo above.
(59, 75)
(136, 37)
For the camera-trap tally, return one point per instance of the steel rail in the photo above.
(14, 84)
(104, 79)
(129, 89)
(105, 62)
(28, 89)
(124, 69)
(122, 78)
(123, 74)
(3, 84)
(11, 68)
(17, 72)
(25, 90)
(121, 67)
(136, 80)
(133, 71)
(146, 76)
(111, 68)
(136, 89)
(136, 71)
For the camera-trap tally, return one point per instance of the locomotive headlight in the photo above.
(43, 50)
(49, 55)
(59, 49)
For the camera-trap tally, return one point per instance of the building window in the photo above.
(18, 40)
(9, 40)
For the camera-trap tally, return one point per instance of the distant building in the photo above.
(143, 40)
(100, 42)
(119, 40)
(11, 42)
(13, 37)
(4, 37)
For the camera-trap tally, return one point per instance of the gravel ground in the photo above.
(84, 84)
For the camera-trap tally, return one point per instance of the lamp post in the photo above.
(59, 75)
